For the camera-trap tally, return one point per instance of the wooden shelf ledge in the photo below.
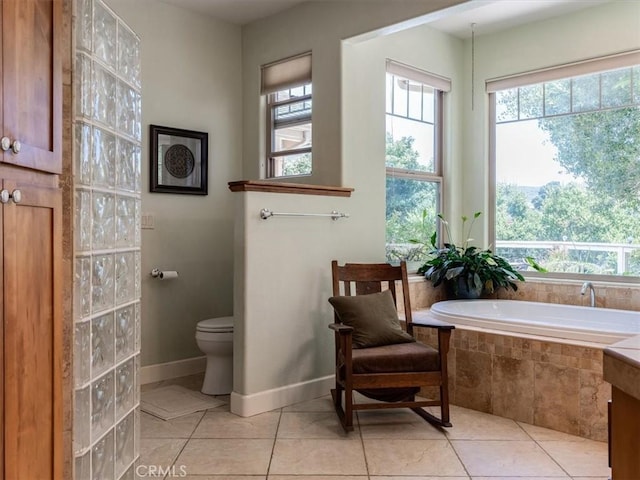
(295, 188)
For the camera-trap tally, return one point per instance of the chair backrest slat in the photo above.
(364, 288)
(369, 278)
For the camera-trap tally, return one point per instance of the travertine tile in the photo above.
(592, 478)
(401, 423)
(632, 343)
(316, 477)
(594, 396)
(542, 434)
(518, 478)
(505, 458)
(226, 456)
(403, 477)
(180, 427)
(591, 458)
(393, 441)
(412, 457)
(318, 457)
(512, 395)
(619, 370)
(557, 397)
(216, 424)
(473, 425)
(322, 404)
(160, 452)
(222, 477)
(473, 380)
(311, 425)
(451, 372)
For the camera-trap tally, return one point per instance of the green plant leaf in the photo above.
(535, 265)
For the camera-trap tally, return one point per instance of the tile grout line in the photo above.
(541, 448)
(273, 447)
(448, 439)
(173, 464)
(553, 459)
(364, 450)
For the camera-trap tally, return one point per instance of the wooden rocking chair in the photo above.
(390, 373)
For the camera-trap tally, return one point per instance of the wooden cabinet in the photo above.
(31, 96)
(32, 323)
(624, 436)
(31, 317)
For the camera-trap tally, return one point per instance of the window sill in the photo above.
(282, 187)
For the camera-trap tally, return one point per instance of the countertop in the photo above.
(622, 365)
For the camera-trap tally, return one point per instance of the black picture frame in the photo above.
(179, 160)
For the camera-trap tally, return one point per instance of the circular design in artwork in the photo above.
(179, 161)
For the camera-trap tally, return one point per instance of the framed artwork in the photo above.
(178, 160)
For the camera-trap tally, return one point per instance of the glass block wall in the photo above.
(107, 187)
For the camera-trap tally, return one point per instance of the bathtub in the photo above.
(585, 324)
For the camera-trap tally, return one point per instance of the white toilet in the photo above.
(214, 337)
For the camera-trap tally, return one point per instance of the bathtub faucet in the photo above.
(592, 292)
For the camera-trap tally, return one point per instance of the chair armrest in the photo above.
(423, 319)
(340, 328)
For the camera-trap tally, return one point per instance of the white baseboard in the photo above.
(166, 371)
(255, 403)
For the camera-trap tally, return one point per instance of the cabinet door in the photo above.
(32, 82)
(32, 324)
(625, 436)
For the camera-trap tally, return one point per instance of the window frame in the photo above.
(438, 158)
(282, 75)
(440, 85)
(541, 76)
(271, 153)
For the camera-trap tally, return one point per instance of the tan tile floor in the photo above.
(305, 442)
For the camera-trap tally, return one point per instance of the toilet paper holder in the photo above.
(162, 274)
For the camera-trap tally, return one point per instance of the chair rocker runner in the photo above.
(373, 355)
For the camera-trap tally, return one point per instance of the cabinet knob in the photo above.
(16, 146)
(16, 195)
(5, 196)
(6, 144)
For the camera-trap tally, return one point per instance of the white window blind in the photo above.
(575, 69)
(436, 81)
(287, 73)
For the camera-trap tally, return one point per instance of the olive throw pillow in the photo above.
(374, 319)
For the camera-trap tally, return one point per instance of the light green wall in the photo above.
(606, 29)
(318, 27)
(283, 265)
(363, 111)
(191, 72)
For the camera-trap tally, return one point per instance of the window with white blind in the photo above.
(565, 156)
(414, 135)
(288, 90)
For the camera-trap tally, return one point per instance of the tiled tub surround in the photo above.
(107, 243)
(531, 380)
(546, 382)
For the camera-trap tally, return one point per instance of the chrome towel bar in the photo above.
(266, 213)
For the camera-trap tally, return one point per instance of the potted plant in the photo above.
(467, 271)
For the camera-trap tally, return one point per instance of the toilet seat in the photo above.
(216, 325)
